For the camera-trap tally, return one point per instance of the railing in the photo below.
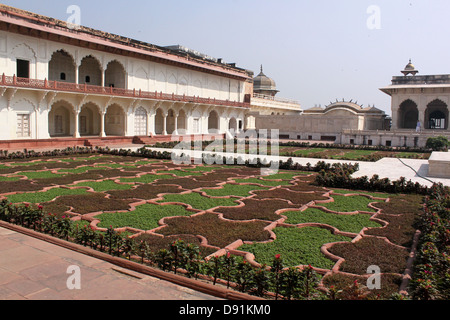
(272, 98)
(90, 89)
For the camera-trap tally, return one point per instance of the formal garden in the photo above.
(304, 232)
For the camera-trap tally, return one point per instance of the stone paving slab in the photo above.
(415, 170)
(32, 269)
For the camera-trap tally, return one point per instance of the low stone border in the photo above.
(196, 285)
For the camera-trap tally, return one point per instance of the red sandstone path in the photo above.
(31, 269)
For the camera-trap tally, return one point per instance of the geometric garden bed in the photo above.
(226, 209)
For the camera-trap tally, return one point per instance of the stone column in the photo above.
(102, 124)
(77, 125)
(176, 124)
(164, 133)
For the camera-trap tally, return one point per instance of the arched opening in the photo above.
(233, 124)
(115, 121)
(61, 120)
(89, 120)
(61, 67)
(436, 115)
(140, 122)
(408, 115)
(170, 122)
(213, 122)
(90, 72)
(115, 75)
(159, 122)
(182, 122)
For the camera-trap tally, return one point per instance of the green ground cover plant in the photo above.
(39, 197)
(346, 223)
(349, 204)
(13, 178)
(297, 246)
(283, 176)
(105, 185)
(146, 178)
(81, 169)
(232, 190)
(197, 201)
(145, 217)
(40, 175)
(354, 154)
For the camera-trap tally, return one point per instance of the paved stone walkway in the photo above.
(32, 269)
(415, 170)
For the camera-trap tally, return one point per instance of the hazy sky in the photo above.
(317, 51)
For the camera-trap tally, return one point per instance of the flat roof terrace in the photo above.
(421, 80)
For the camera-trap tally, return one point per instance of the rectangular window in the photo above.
(23, 126)
(196, 125)
(23, 68)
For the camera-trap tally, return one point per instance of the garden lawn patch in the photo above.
(80, 169)
(354, 154)
(146, 178)
(304, 152)
(106, 185)
(233, 190)
(218, 232)
(39, 197)
(283, 176)
(40, 175)
(145, 217)
(349, 204)
(263, 182)
(346, 223)
(10, 178)
(144, 192)
(197, 201)
(297, 246)
(371, 251)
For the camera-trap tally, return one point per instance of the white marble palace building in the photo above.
(59, 82)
